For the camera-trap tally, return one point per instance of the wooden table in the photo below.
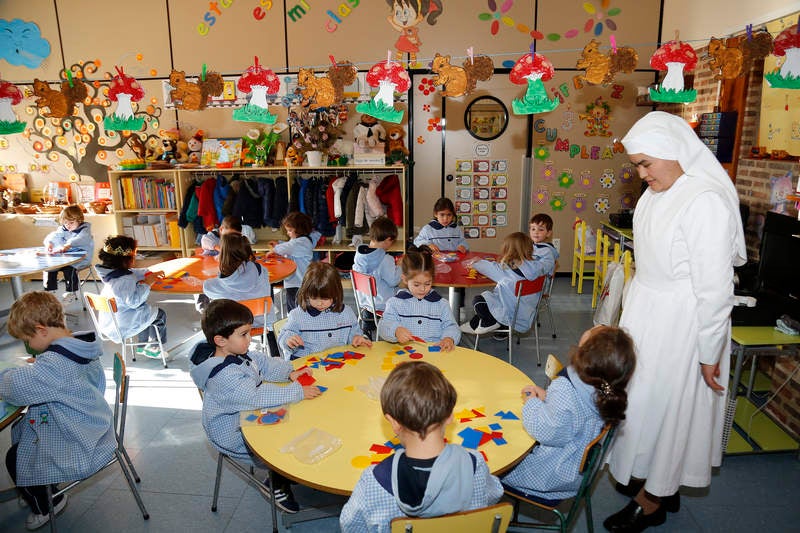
(18, 262)
(459, 275)
(346, 412)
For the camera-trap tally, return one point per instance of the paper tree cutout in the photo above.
(9, 95)
(388, 76)
(60, 103)
(532, 69)
(458, 81)
(787, 45)
(676, 58)
(259, 81)
(124, 89)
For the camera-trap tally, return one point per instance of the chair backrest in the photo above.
(259, 307)
(591, 464)
(583, 237)
(102, 304)
(627, 264)
(494, 519)
(364, 283)
(526, 287)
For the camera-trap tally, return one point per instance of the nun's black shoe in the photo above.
(671, 504)
(631, 519)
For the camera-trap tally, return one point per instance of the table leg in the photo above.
(752, 380)
(737, 372)
(272, 502)
(16, 287)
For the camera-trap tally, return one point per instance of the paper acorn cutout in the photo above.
(532, 69)
(389, 76)
(458, 81)
(259, 81)
(9, 95)
(676, 58)
(124, 89)
(787, 44)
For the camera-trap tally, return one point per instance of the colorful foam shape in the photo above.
(495, 426)
(251, 417)
(471, 438)
(306, 380)
(379, 448)
(321, 388)
(434, 348)
(415, 355)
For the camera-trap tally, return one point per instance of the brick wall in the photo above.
(785, 408)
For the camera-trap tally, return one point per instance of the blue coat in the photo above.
(300, 250)
(319, 330)
(430, 318)
(563, 425)
(133, 312)
(378, 264)
(67, 433)
(79, 240)
(446, 238)
(238, 383)
(502, 299)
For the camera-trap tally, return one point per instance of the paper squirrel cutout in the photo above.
(726, 62)
(326, 90)
(458, 81)
(194, 96)
(601, 68)
(60, 103)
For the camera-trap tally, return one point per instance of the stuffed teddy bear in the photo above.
(170, 147)
(195, 146)
(396, 151)
(369, 132)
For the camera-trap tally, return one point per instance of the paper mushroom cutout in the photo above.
(787, 45)
(124, 89)
(9, 95)
(676, 58)
(259, 81)
(532, 69)
(388, 76)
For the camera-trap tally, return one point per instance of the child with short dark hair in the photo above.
(74, 235)
(299, 248)
(210, 241)
(67, 433)
(563, 419)
(321, 320)
(234, 379)
(426, 477)
(419, 311)
(540, 229)
(443, 234)
(130, 287)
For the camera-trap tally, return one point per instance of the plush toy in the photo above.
(195, 146)
(396, 151)
(369, 132)
(170, 148)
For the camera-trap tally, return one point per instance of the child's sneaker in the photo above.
(284, 498)
(69, 298)
(35, 521)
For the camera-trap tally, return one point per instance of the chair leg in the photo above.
(130, 464)
(132, 485)
(273, 507)
(552, 320)
(216, 484)
(477, 338)
(536, 333)
(52, 510)
(589, 520)
(160, 346)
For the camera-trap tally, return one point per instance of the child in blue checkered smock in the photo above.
(234, 379)
(210, 241)
(425, 477)
(299, 248)
(67, 433)
(419, 311)
(443, 234)
(540, 229)
(321, 320)
(566, 417)
(74, 235)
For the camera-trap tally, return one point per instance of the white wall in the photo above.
(698, 20)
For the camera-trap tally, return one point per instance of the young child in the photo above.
(496, 307)
(373, 260)
(419, 311)
(234, 379)
(443, 234)
(130, 287)
(73, 235)
(426, 477)
(572, 411)
(540, 229)
(210, 242)
(299, 248)
(321, 319)
(68, 432)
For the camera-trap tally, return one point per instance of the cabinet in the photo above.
(718, 132)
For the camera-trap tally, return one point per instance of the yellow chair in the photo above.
(604, 255)
(492, 519)
(627, 264)
(365, 290)
(580, 256)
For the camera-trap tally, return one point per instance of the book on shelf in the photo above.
(147, 192)
(156, 230)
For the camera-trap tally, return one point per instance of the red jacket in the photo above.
(389, 194)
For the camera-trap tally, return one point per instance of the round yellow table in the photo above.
(485, 384)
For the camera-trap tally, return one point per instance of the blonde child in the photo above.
(418, 310)
(426, 477)
(563, 419)
(321, 320)
(67, 433)
(234, 379)
(74, 235)
(210, 242)
(443, 234)
(130, 287)
(540, 229)
(299, 248)
(496, 307)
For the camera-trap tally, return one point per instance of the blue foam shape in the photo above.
(434, 348)
(471, 438)
(314, 365)
(166, 286)
(508, 415)
(337, 355)
(251, 417)
(321, 388)
(270, 418)
(400, 352)
(500, 441)
(495, 427)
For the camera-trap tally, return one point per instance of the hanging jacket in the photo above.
(221, 191)
(388, 193)
(374, 208)
(280, 205)
(205, 203)
(249, 205)
(352, 209)
(266, 188)
(189, 209)
(233, 194)
(294, 202)
(352, 179)
(321, 217)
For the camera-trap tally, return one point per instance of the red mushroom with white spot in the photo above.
(124, 90)
(388, 76)
(259, 81)
(675, 57)
(532, 70)
(9, 95)
(787, 44)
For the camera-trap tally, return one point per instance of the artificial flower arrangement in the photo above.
(260, 143)
(315, 130)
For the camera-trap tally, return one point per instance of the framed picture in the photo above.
(221, 153)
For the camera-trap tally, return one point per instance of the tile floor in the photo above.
(166, 441)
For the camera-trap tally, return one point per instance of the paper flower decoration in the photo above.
(565, 180)
(541, 153)
(258, 81)
(548, 172)
(9, 95)
(388, 76)
(124, 90)
(541, 196)
(787, 45)
(676, 58)
(532, 69)
(601, 205)
(557, 203)
(607, 179)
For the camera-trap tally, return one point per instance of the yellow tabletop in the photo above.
(484, 384)
(761, 336)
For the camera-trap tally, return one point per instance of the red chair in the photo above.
(365, 290)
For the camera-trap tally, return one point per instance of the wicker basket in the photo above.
(25, 209)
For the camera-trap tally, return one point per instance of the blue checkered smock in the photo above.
(319, 330)
(430, 318)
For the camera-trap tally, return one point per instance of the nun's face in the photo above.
(659, 174)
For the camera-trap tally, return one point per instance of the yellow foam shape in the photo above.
(361, 461)
(466, 413)
(350, 388)
(387, 366)
(481, 410)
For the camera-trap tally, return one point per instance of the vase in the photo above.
(314, 158)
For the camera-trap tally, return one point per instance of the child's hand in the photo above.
(433, 248)
(461, 249)
(49, 248)
(446, 344)
(297, 373)
(294, 342)
(533, 390)
(272, 244)
(358, 340)
(403, 335)
(310, 392)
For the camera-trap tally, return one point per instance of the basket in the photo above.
(49, 209)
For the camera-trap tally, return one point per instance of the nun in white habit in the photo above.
(688, 237)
